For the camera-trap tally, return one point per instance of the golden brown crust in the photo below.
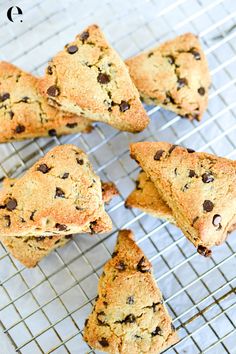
(199, 188)
(173, 75)
(147, 198)
(89, 77)
(25, 113)
(55, 197)
(129, 315)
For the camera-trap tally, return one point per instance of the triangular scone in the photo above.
(25, 113)
(199, 188)
(29, 250)
(174, 76)
(60, 194)
(88, 77)
(147, 198)
(129, 315)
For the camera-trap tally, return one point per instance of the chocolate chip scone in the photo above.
(30, 250)
(174, 75)
(129, 315)
(88, 78)
(146, 197)
(200, 189)
(25, 113)
(59, 195)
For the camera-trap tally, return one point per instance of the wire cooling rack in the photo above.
(43, 310)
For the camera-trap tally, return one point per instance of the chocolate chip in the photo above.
(208, 206)
(181, 83)
(61, 227)
(80, 161)
(68, 237)
(216, 220)
(32, 215)
(8, 220)
(25, 99)
(201, 91)
(103, 78)
(52, 132)
(49, 70)
(150, 54)
(86, 322)
(172, 148)
(65, 176)
(11, 114)
(169, 99)
(158, 155)
(72, 49)
(19, 129)
(207, 177)
(129, 319)
(59, 193)
(185, 187)
(53, 91)
(170, 59)
(130, 300)
(191, 173)
(104, 343)
(84, 36)
(11, 204)
(190, 151)
(196, 54)
(194, 220)
(204, 251)
(124, 106)
(114, 254)
(120, 266)
(92, 225)
(71, 125)
(4, 97)
(157, 332)
(143, 266)
(137, 183)
(43, 168)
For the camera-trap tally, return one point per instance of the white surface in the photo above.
(6, 347)
(44, 309)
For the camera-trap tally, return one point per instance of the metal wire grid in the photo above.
(43, 310)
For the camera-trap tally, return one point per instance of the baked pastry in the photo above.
(30, 250)
(89, 78)
(200, 189)
(129, 315)
(59, 195)
(146, 197)
(25, 113)
(174, 75)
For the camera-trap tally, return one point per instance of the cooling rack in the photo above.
(43, 310)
